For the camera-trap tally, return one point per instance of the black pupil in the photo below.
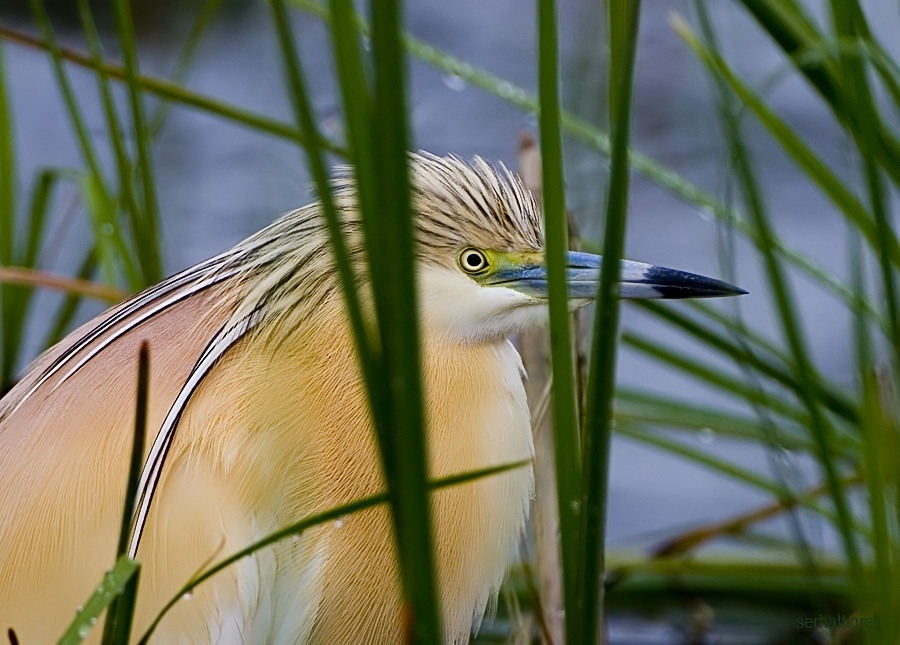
(473, 260)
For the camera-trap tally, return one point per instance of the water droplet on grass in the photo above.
(454, 82)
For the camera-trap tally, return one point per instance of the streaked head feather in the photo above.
(455, 204)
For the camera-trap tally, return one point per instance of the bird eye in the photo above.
(472, 260)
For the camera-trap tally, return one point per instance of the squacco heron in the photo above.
(254, 364)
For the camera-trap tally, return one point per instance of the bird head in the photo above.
(482, 269)
(482, 275)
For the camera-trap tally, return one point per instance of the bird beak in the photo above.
(637, 280)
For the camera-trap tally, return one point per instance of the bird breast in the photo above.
(309, 444)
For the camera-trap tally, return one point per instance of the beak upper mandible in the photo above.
(640, 280)
(636, 280)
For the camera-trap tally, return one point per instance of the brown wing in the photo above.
(65, 439)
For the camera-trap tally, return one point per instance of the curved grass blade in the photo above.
(303, 525)
(811, 164)
(796, 35)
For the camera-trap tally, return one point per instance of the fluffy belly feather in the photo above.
(340, 583)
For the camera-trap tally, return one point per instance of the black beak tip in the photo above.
(680, 293)
(673, 284)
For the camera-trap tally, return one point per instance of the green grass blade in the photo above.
(124, 166)
(145, 221)
(15, 301)
(184, 61)
(370, 365)
(876, 441)
(623, 29)
(9, 335)
(420, 599)
(796, 37)
(314, 150)
(850, 24)
(82, 134)
(389, 236)
(565, 419)
(358, 107)
(120, 616)
(357, 100)
(376, 125)
(821, 429)
(379, 124)
(137, 449)
(831, 396)
(359, 115)
(97, 197)
(66, 311)
(171, 92)
(109, 589)
(790, 142)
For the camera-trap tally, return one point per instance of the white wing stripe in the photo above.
(150, 474)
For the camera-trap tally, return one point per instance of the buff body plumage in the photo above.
(254, 379)
(277, 429)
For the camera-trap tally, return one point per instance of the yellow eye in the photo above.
(472, 260)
